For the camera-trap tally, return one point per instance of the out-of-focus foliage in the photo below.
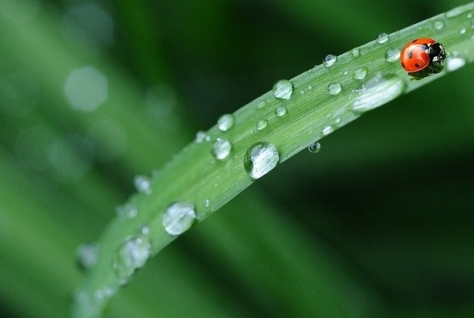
(92, 93)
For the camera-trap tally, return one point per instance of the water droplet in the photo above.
(178, 218)
(86, 89)
(327, 130)
(280, 111)
(462, 31)
(452, 64)
(202, 136)
(127, 211)
(334, 88)
(438, 25)
(382, 38)
(377, 91)
(221, 148)
(207, 202)
(262, 124)
(329, 60)
(392, 55)
(142, 184)
(144, 229)
(261, 104)
(86, 256)
(283, 89)
(310, 87)
(360, 73)
(260, 159)
(355, 52)
(105, 293)
(314, 147)
(225, 122)
(131, 255)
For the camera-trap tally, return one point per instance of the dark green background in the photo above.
(378, 223)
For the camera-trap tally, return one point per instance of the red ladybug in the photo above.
(420, 53)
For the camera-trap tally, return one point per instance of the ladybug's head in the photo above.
(437, 53)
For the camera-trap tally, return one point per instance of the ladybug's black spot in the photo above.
(414, 41)
(410, 54)
(417, 65)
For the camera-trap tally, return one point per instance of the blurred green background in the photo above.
(92, 93)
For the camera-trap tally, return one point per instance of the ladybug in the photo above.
(420, 53)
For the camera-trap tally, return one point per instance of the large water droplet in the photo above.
(314, 147)
(178, 218)
(142, 184)
(126, 211)
(452, 64)
(86, 256)
(334, 88)
(377, 91)
(329, 60)
(382, 38)
(260, 159)
(221, 148)
(225, 122)
(283, 89)
(131, 255)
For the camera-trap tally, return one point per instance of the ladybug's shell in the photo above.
(415, 55)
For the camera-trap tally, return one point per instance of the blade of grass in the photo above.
(323, 99)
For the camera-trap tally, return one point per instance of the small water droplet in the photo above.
(462, 31)
(452, 64)
(329, 60)
(130, 256)
(262, 124)
(86, 256)
(225, 122)
(355, 52)
(360, 73)
(144, 229)
(334, 88)
(221, 148)
(327, 130)
(392, 55)
(207, 202)
(202, 136)
(127, 211)
(283, 89)
(382, 38)
(438, 25)
(377, 91)
(280, 111)
(142, 184)
(178, 218)
(260, 159)
(314, 147)
(261, 104)
(105, 293)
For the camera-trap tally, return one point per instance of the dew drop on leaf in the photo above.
(178, 218)
(260, 159)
